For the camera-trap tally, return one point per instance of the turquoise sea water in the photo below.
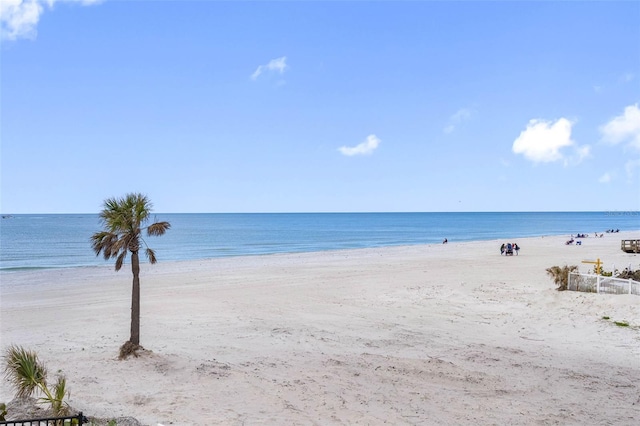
(55, 241)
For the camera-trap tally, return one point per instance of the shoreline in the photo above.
(422, 334)
(631, 234)
(61, 240)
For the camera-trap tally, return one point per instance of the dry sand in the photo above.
(449, 334)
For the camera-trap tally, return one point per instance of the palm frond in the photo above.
(141, 207)
(24, 371)
(56, 399)
(158, 228)
(120, 260)
(119, 246)
(104, 242)
(151, 255)
(112, 216)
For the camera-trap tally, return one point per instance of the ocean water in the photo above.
(62, 240)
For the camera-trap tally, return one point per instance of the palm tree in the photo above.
(124, 221)
(27, 374)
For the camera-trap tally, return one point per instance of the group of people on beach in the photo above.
(508, 249)
(578, 243)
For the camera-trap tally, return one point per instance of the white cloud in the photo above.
(456, 119)
(19, 18)
(624, 128)
(581, 153)
(365, 148)
(605, 178)
(542, 141)
(275, 65)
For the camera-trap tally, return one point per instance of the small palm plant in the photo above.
(27, 375)
(560, 275)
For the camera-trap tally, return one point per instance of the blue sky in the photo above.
(332, 106)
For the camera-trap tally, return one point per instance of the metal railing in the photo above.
(599, 284)
(77, 419)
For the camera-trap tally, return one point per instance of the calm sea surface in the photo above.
(58, 241)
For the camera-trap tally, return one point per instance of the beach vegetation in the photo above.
(3, 411)
(620, 323)
(560, 275)
(628, 273)
(28, 375)
(124, 220)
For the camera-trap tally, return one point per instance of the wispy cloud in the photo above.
(614, 82)
(542, 142)
(19, 18)
(456, 119)
(581, 152)
(630, 167)
(365, 148)
(624, 128)
(605, 178)
(278, 65)
(627, 77)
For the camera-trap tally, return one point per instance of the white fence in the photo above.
(599, 284)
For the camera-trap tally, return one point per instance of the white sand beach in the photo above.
(446, 334)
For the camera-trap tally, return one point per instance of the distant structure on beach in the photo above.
(630, 246)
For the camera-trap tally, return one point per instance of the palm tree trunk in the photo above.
(135, 299)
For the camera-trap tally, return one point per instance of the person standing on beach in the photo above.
(516, 247)
(502, 249)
